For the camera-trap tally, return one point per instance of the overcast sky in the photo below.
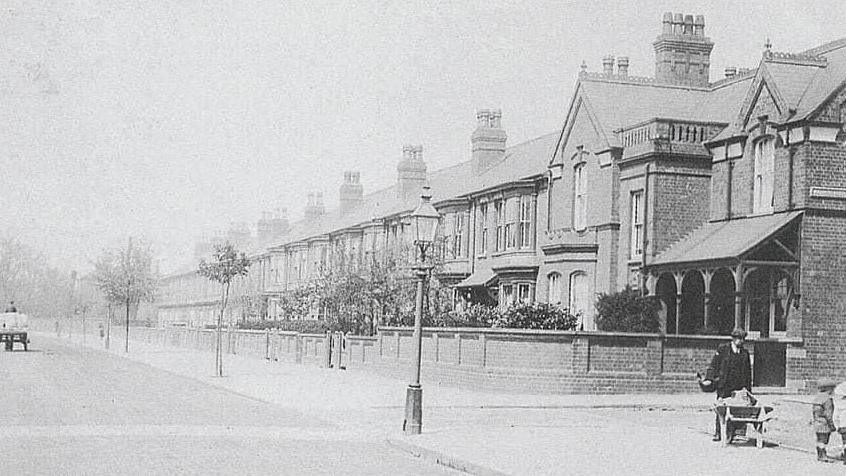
(168, 120)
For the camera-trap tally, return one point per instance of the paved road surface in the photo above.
(70, 410)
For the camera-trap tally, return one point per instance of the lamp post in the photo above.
(424, 226)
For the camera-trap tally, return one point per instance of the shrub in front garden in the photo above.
(538, 315)
(303, 327)
(628, 311)
(473, 315)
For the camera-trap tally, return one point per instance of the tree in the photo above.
(226, 264)
(26, 278)
(126, 278)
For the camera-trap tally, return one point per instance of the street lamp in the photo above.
(424, 226)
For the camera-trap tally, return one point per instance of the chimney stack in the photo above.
(351, 192)
(239, 234)
(682, 51)
(314, 208)
(411, 173)
(623, 66)
(279, 223)
(608, 65)
(487, 141)
(264, 232)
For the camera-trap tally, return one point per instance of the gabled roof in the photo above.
(722, 240)
(616, 102)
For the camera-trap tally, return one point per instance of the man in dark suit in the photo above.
(731, 370)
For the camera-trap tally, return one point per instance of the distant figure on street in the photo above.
(11, 307)
(731, 371)
(823, 413)
(102, 331)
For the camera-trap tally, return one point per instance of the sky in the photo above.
(167, 121)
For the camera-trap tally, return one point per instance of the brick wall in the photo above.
(679, 201)
(507, 360)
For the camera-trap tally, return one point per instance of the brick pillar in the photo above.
(458, 349)
(581, 354)
(298, 351)
(654, 364)
(484, 345)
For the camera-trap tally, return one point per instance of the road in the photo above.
(72, 410)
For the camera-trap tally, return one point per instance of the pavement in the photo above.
(504, 433)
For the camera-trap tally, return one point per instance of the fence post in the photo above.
(327, 350)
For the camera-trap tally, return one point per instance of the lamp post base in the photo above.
(413, 423)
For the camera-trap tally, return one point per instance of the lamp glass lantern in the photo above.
(425, 220)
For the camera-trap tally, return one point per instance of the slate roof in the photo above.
(827, 80)
(725, 239)
(521, 161)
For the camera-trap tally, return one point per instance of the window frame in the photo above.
(458, 234)
(636, 222)
(763, 175)
(525, 220)
(483, 228)
(579, 197)
(553, 289)
(572, 297)
(499, 210)
(512, 218)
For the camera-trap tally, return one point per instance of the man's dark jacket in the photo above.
(730, 371)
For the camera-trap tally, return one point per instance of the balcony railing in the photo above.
(666, 135)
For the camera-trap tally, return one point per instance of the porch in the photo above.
(741, 273)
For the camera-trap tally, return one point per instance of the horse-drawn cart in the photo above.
(13, 328)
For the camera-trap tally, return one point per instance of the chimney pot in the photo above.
(623, 65)
(699, 25)
(678, 23)
(496, 118)
(483, 118)
(667, 24)
(688, 24)
(608, 64)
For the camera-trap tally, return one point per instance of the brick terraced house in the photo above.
(727, 199)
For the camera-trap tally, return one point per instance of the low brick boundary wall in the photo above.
(533, 361)
(502, 360)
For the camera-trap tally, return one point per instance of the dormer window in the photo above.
(762, 186)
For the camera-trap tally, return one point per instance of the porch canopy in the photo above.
(735, 273)
(480, 278)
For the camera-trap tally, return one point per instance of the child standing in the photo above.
(824, 417)
(840, 414)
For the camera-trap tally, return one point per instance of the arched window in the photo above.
(762, 187)
(579, 197)
(553, 295)
(579, 298)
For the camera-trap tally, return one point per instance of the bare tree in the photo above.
(26, 278)
(126, 277)
(226, 264)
